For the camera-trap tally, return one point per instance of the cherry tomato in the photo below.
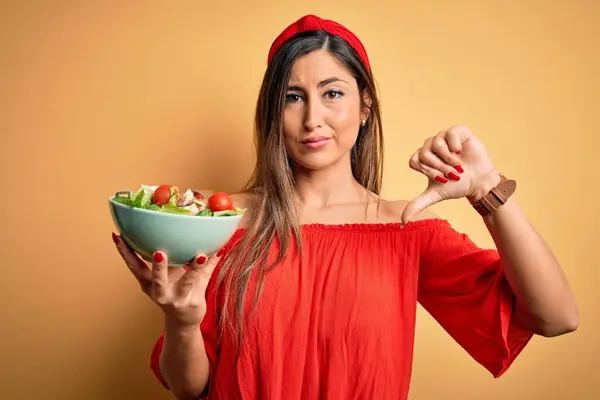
(161, 195)
(220, 201)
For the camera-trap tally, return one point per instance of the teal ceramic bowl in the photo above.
(181, 237)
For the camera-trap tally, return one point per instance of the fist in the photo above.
(456, 165)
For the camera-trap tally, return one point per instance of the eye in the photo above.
(292, 98)
(333, 94)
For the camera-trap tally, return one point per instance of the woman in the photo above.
(315, 296)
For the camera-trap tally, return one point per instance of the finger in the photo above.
(199, 272)
(136, 265)
(192, 275)
(431, 173)
(160, 275)
(441, 147)
(430, 160)
(174, 274)
(457, 136)
(205, 266)
(428, 198)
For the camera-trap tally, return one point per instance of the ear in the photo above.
(365, 112)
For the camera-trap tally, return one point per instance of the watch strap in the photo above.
(496, 197)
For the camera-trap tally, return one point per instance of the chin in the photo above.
(315, 162)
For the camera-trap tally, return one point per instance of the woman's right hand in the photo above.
(179, 293)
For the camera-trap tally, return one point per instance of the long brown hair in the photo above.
(272, 214)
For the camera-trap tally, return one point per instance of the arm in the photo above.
(457, 165)
(183, 361)
(545, 303)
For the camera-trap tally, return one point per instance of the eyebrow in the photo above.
(320, 84)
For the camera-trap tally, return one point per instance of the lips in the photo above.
(314, 139)
(315, 142)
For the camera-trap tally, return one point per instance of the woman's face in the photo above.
(322, 112)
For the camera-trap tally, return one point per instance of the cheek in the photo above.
(292, 122)
(344, 114)
(344, 119)
(292, 128)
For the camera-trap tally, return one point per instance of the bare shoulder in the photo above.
(392, 210)
(244, 200)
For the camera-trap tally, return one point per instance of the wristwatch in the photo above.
(496, 197)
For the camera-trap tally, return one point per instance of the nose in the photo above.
(314, 114)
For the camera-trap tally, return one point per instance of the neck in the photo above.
(328, 186)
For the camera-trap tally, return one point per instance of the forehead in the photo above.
(317, 66)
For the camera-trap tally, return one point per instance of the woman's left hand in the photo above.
(456, 165)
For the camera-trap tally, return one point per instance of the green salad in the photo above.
(168, 199)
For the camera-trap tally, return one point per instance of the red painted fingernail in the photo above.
(459, 168)
(454, 176)
(441, 179)
(220, 252)
(115, 238)
(158, 256)
(200, 260)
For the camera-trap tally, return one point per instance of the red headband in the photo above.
(311, 23)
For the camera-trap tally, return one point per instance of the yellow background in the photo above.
(102, 96)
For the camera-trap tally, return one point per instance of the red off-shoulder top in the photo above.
(338, 321)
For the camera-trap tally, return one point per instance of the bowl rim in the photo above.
(171, 215)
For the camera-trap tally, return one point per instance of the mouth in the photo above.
(314, 139)
(315, 142)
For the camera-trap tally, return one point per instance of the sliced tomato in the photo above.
(161, 195)
(220, 201)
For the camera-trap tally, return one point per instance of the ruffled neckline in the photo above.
(375, 226)
(368, 226)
